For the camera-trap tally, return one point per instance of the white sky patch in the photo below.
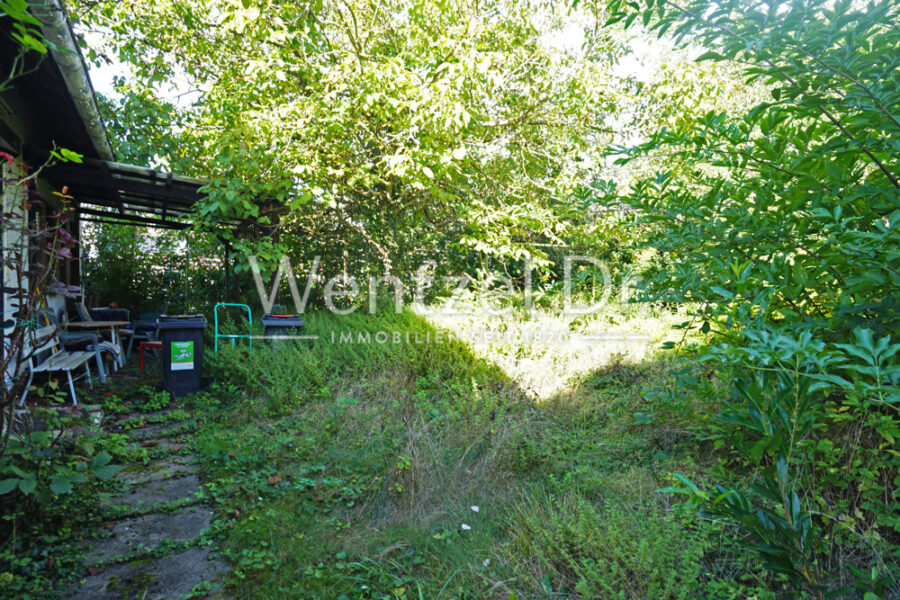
(645, 58)
(179, 91)
(569, 38)
(102, 77)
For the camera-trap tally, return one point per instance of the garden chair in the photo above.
(81, 340)
(144, 328)
(45, 341)
(85, 314)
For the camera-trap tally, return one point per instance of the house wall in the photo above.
(13, 229)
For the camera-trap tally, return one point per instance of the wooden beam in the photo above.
(114, 185)
(170, 225)
(133, 219)
(165, 200)
(180, 209)
(107, 178)
(139, 219)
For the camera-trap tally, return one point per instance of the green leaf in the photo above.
(104, 473)
(102, 459)
(690, 485)
(8, 485)
(71, 156)
(718, 499)
(833, 171)
(27, 485)
(30, 42)
(710, 55)
(60, 486)
(675, 490)
(781, 469)
(18, 10)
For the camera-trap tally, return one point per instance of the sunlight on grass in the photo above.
(547, 353)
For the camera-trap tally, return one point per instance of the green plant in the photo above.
(597, 552)
(122, 448)
(154, 400)
(32, 251)
(779, 224)
(39, 464)
(113, 404)
(48, 487)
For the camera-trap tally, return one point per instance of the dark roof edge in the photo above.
(147, 172)
(58, 31)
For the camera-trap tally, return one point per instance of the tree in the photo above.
(387, 132)
(781, 223)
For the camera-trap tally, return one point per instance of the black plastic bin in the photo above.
(280, 325)
(182, 352)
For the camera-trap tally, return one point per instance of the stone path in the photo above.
(153, 546)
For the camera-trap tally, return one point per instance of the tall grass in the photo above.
(421, 469)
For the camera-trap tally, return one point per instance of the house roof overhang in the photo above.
(53, 105)
(50, 102)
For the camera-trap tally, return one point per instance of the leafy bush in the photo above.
(38, 465)
(47, 488)
(296, 373)
(141, 272)
(781, 224)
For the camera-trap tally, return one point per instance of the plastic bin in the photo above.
(182, 352)
(275, 325)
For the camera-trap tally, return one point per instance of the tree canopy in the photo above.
(385, 130)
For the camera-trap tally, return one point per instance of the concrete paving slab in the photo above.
(163, 445)
(156, 493)
(148, 531)
(184, 459)
(155, 471)
(145, 415)
(167, 578)
(157, 430)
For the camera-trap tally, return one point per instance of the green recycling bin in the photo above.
(182, 352)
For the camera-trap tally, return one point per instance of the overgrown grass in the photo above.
(420, 469)
(545, 353)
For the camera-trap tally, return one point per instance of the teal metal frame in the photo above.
(231, 336)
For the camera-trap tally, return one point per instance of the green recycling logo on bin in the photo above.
(182, 356)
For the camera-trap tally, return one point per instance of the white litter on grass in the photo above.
(486, 562)
(475, 508)
(464, 527)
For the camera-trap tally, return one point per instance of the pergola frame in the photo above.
(109, 192)
(106, 192)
